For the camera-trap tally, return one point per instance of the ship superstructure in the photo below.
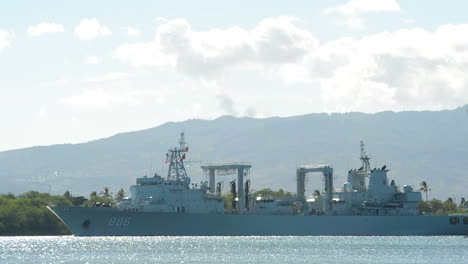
(367, 204)
(379, 197)
(174, 193)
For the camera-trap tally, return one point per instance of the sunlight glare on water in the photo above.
(69, 249)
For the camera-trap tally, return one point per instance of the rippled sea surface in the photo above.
(69, 249)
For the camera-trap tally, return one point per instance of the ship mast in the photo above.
(176, 157)
(364, 158)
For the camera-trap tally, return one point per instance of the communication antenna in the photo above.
(182, 141)
(175, 157)
(364, 158)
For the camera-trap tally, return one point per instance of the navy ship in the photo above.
(366, 205)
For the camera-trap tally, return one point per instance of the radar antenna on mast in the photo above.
(364, 158)
(176, 157)
(182, 141)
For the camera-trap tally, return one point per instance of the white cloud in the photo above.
(42, 112)
(5, 38)
(354, 23)
(102, 98)
(144, 54)
(133, 32)
(90, 28)
(60, 81)
(358, 7)
(405, 69)
(161, 100)
(251, 112)
(110, 97)
(44, 28)
(108, 77)
(93, 60)
(226, 103)
(354, 9)
(196, 110)
(208, 54)
(229, 107)
(408, 21)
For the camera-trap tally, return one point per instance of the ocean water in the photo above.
(69, 249)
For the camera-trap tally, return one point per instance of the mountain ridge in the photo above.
(432, 143)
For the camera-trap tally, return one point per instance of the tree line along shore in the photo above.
(27, 214)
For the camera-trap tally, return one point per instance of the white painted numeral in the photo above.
(119, 221)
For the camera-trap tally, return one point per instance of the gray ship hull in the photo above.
(102, 221)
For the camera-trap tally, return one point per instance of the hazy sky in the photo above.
(73, 71)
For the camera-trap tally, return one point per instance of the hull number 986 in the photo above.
(120, 221)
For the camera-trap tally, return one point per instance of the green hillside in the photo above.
(415, 146)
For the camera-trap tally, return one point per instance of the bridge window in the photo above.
(465, 220)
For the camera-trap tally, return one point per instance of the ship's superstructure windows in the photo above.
(465, 220)
(454, 220)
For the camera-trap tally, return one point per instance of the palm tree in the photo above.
(93, 194)
(425, 188)
(67, 195)
(462, 202)
(120, 195)
(449, 206)
(106, 193)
